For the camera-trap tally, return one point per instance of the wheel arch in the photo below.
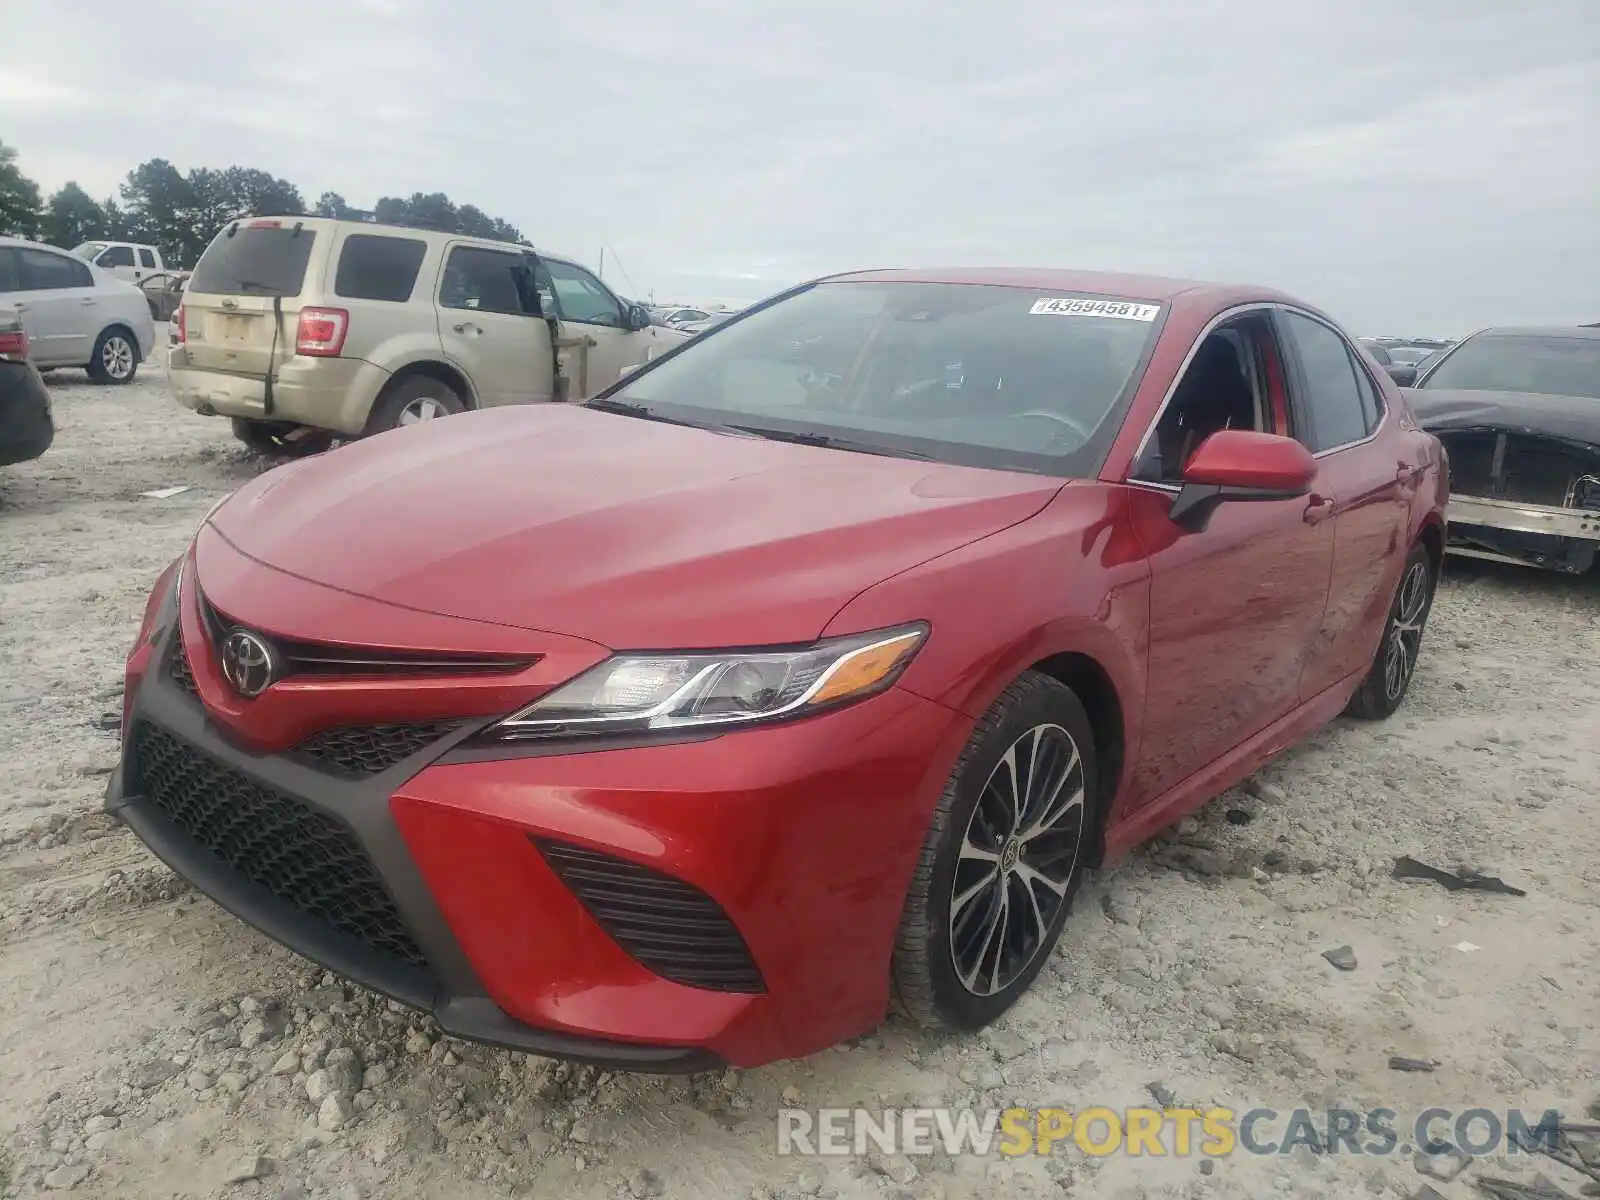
(1431, 536)
(1096, 691)
(428, 368)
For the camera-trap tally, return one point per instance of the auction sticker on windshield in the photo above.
(1067, 306)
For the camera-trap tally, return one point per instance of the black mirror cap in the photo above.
(638, 317)
(1404, 374)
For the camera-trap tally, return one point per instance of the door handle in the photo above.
(1318, 509)
(467, 327)
(1407, 474)
(88, 302)
(20, 307)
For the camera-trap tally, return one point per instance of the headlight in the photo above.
(648, 693)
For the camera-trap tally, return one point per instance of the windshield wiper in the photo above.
(834, 442)
(628, 408)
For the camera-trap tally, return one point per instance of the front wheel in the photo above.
(1001, 862)
(115, 359)
(1389, 678)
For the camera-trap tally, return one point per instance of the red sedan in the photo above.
(809, 667)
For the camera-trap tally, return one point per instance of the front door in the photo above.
(118, 261)
(59, 307)
(1235, 607)
(1363, 456)
(488, 326)
(589, 308)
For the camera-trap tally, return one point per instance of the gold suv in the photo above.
(305, 328)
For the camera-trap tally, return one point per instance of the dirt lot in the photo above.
(153, 1046)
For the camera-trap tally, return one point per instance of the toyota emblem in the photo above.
(248, 663)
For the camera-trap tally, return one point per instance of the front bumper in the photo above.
(802, 835)
(1563, 539)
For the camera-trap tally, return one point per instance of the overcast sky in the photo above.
(1421, 166)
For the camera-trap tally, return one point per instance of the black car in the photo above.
(1518, 412)
(26, 428)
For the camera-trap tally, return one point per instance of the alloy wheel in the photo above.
(116, 356)
(1405, 632)
(1017, 859)
(423, 408)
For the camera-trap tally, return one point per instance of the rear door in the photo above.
(228, 304)
(490, 327)
(59, 307)
(590, 309)
(1369, 471)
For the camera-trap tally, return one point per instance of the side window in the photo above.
(43, 271)
(10, 277)
(373, 267)
(147, 259)
(1221, 388)
(1333, 399)
(117, 256)
(1371, 398)
(583, 298)
(482, 280)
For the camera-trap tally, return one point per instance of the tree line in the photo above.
(181, 213)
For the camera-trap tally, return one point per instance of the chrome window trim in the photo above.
(1210, 326)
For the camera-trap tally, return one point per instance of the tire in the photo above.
(412, 400)
(948, 974)
(1389, 678)
(282, 439)
(116, 357)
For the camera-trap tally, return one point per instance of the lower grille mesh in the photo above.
(302, 857)
(368, 749)
(665, 924)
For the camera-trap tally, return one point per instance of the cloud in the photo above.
(1418, 167)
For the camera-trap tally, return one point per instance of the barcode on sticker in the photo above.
(1065, 306)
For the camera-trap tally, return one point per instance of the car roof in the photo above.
(1585, 332)
(1155, 288)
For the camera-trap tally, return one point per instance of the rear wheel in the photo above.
(413, 400)
(284, 439)
(1002, 860)
(1389, 678)
(115, 359)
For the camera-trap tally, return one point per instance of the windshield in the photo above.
(89, 249)
(974, 374)
(257, 258)
(1547, 364)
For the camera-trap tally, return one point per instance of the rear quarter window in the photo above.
(375, 267)
(255, 260)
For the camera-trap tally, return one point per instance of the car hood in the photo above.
(627, 532)
(1569, 418)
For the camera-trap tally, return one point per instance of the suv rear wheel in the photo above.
(412, 400)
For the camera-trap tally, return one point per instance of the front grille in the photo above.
(304, 858)
(179, 671)
(665, 924)
(326, 659)
(368, 749)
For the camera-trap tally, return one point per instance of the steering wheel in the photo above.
(1060, 418)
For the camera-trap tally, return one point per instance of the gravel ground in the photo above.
(154, 1046)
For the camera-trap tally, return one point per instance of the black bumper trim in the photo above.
(451, 992)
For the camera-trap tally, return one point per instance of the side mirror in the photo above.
(1404, 374)
(1240, 464)
(638, 317)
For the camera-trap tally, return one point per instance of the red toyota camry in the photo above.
(807, 669)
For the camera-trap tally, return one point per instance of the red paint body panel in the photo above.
(804, 833)
(562, 534)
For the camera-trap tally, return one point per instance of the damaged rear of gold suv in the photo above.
(1518, 413)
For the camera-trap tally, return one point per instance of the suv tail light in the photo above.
(321, 332)
(180, 326)
(13, 346)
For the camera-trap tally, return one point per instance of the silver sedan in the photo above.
(76, 315)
